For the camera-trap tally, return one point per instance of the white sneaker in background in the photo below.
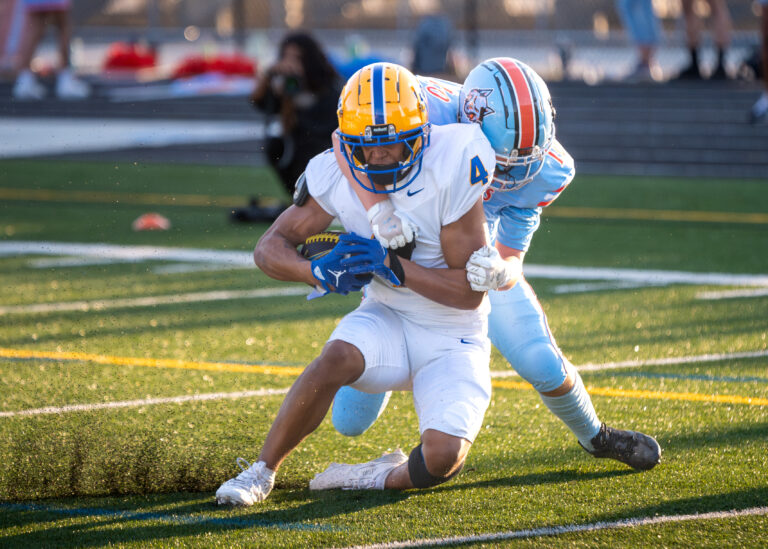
(68, 86)
(759, 111)
(362, 476)
(251, 486)
(27, 88)
(641, 74)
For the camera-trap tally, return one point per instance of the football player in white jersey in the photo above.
(512, 105)
(420, 326)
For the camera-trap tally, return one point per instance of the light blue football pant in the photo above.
(517, 327)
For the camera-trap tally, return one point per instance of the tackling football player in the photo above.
(512, 105)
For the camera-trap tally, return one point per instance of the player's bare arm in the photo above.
(276, 254)
(514, 264)
(450, 286)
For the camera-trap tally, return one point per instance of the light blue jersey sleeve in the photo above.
(513, 227)
(442, 100)
(514, 216)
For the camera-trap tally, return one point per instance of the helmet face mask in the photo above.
(514, 109)
(382, 104)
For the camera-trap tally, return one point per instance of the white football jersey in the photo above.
(457, 166)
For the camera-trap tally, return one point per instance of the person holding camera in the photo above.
(303, 88)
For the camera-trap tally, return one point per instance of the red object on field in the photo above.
(129, 56)
(151, 222)
(232, 65)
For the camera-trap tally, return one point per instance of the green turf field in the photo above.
(139, 464)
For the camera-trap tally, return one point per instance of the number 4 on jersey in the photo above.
(477, 172)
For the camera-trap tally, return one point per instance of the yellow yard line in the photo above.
(54, 195)
(294, 371)
(657, 215)
(657, 395)
(663, 395)
(105, 197)
(153, 362)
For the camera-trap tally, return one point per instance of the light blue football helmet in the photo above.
(514, 108)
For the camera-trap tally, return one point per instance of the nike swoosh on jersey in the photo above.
(411, 193)
(465, 342)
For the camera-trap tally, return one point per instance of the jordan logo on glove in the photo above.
(337, 274)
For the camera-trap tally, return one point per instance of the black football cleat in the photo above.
(637, 450)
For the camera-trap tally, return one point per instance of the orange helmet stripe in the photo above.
(526, 112)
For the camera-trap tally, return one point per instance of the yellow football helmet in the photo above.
(383, 104)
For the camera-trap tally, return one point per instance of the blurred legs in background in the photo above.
(693, 29)
(39, 15)
(759, 110)
(642, 26)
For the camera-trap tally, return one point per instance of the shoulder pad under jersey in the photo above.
(301, 194)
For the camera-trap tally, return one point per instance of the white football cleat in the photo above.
(370, 475)
(27, 87)
(68, 86)
(251, 486)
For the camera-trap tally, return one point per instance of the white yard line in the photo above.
(152, 253)
(600, 286)
(124, 252)
(195, 297)
(264, 392)
(143, 402)
(644, 276)
(589, 367)
(567, 529)
(181, 268)
(731, 294)
(38, 136)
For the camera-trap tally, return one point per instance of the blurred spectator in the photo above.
(303, 88)
(642, 25)
(760, 108)
(12, 14)
(38, 14)
(432, 45)
(693, 30)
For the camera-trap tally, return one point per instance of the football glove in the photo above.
(365, 256)
(392, 230)
(335, 277)
(487, 270)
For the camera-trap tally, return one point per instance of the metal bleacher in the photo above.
(696, 129)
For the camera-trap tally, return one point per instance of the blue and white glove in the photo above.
(366, 256)
(334, 277)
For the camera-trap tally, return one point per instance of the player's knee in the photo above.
(541, 365)
(354, 411)
(437, 459)
(443, 468)
(340, 363)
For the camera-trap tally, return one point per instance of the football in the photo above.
(319, 244)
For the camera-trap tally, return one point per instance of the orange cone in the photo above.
(151, 222)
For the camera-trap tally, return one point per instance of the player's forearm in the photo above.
(514, 272)
(445, 286)
(278, 259)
